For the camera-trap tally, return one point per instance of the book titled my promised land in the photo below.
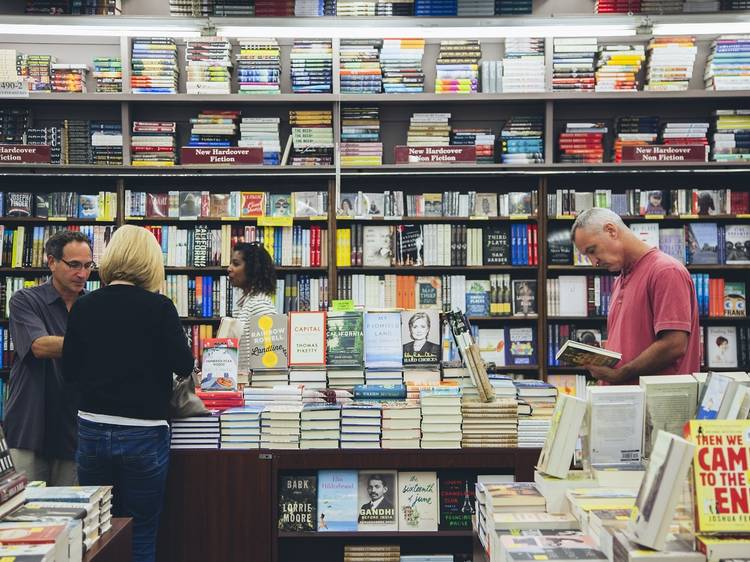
(577, 353)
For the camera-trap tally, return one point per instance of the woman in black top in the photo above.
(122, 345)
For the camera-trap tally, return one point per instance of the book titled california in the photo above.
(577, 353)
(337, 500)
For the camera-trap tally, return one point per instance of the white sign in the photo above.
(14, 89)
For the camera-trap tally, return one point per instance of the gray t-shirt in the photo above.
(41, 410)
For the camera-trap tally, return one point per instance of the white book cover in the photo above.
(307, 338)
(648, 232)
(418, 501)
(615, 424)
(572, 295)
(721, 346)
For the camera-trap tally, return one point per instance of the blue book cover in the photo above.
(713, 394)
(337, 500)
(383, 340)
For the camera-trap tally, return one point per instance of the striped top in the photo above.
(251, 305)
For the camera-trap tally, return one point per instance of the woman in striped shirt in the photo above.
(252, 270)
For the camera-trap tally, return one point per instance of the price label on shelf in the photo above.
(565, 217)
(57, 219)
(14, 89)
(342, 305)
(688, 216)
(742, 216)
(133, 218)
(479, 218)
(318, 218)
(519, 217)
(275, 221)
(653, 217)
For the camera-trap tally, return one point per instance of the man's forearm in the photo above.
(48, 347)
(656, 357)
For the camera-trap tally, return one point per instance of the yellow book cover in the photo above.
(721, 472)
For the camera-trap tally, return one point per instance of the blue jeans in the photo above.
(135, 461)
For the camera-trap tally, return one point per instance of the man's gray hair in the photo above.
(595, 217)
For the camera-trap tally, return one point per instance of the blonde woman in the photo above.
(123, 343)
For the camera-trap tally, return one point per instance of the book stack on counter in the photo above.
(489, 424)
(733, 5)
(670, 63)
(345, 378)
(14, 123)
(691, 133)
(360, 425)
(366, 552)
(662, 6)
(262, 132)
(482, 139)
(360, 137)
(360, 71)
(492, 76)
(728, 65)
(106, 143)
(573, 63)
(40, 72)
(311, 63)
(274, 8)
(731, 138)
(280, 426)
(384, 377)
(233, 8)
(441, 418)
(208, 66)
(108, 75)
(401, 62)
(618, 67)
(457, 66)
(312, 138)
(523, 65)
(400, 8)
(76, 142)
(153, 143)
(191, 8)
(401, 425)
(12, 483)
(213, 128)
(536, 404)
(429, 129)
(310, 378)
(258, 66)
(512, 7)
(69, 78)
(476, 8)
(522, 140)
(196, 432)
(356, 8)
(240, 427)
(154, 67)
(49, 136)
(635, 131)
(431, 8)
(307, 8)
(617, 6)
(96, 7)
(320, 426)
(582, 142)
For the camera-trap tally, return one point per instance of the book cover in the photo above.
(702, 243)
(88, 206)
(19, 204)
(337, 500)
(308, 204)
(298, 503)
(41, 207)
(477, 297)
(497, 245)
(157, 205)
(346, 206)
(562, 547)
(219, 364)
(672, 243)
(652, 203)
(189, 204)
(433, 204)
(418, 501)
(559, 246)
(524, 297)
(377, 246)
(428, 291)
(375, 204)
(560, 442)
(616, 423)
(721, 346)
(712, 395)
(268, 342)
(737, 243)
(383, 348)
(410, 244)
(707, 203)
(307, 339)
(578, 353)
(420, 337)
(457, 499)
(280, 205)
(519, 203)
(219, 205)
(720, 468)
(485, 205)
(589, 336)
(647, 232)
(521, 346)
(735, 298)
(345, 338)
(253, 204)
(492, 345)
(378, 501)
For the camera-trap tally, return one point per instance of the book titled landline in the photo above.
(577, 353)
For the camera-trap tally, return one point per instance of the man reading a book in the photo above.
(653, 312)
(41, 413)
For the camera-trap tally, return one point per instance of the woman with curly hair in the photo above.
(252, 270)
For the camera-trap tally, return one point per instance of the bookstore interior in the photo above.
(435, 379)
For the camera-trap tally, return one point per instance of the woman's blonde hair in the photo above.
(133, 255)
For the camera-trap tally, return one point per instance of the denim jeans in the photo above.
(135, 461)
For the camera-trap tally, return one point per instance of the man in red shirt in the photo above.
(653, 312)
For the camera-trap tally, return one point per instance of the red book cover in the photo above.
(30, 533)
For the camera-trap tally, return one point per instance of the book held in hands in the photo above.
(577, 353)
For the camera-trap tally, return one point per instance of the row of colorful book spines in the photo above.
(24, 247)
(558, 334)
(718, 297)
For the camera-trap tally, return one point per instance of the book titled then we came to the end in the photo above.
(577, 353)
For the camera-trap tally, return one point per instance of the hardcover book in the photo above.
(521, 346)
(702, 243)
(737, 243)
(428, 291)
(308, 204)
(478, 298)
(88, 206)
(298, 503)
(420, 337)
(559, 246)
(735, 298)
(280, 205)
(524, 297)
(457, 499)
(721, 346)
(190, 204)
(219, 364)
(383, 347)
(307, 339)
(417, 501)
(268, 342)
(337, 501)
(497, 245)
(577, 353)
(377, 246)
(253, 204)
(410, 245)
(345, 339)
(378, 501)
(19, 204)
(485, 205)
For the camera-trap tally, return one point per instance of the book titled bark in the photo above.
(298, 503)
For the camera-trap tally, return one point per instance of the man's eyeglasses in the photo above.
(78, 266)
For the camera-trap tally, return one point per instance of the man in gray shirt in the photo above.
(40, 416)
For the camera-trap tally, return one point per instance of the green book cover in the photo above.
(345, 339)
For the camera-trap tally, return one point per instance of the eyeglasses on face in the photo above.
(78, 266)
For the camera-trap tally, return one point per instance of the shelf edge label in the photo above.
(221, 155)
(435, 154)
(24, 154)
(665, 153)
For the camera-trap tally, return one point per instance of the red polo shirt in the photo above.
(654, 294)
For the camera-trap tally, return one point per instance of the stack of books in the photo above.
(76, 142)
(49, 136)
(670, 64)
(191, 8)
(401, 426)
(536, 405)
(283, 394)
(476, 8)
(384, 377)
(432, 8)
(429, 129)
(308, 8)
(233, 8)
(197, 432)
(320, 426)
(693, 132)
(523, 65)
(492, 76)
(482, 139)
(213, 128)
(635, 131)
(209, 60)
(154, 68)
(360, 136)
(312, 138)
(311, 379)
(573, 64)
(522, 140)
(512, 7)
(259, 66)
(219, 400)
(267, 378)
(274, 8)
(379, 552)
(728, 65)
(489, 424)
(360, 425)
(701, 6)
(106, 143)
(618, 67)
(441, 418)
(345, 379)
(40, 72)
(262, 132)
(617, 6)
(280, 426)
(662, 6)
(401, 62)
(108, 75)
(311, 63)
(153, 143)
(731, 139)
(457, 66)
(69, 78)
(582, 142)
(14, 122)
(240, 428)
(360, 71)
